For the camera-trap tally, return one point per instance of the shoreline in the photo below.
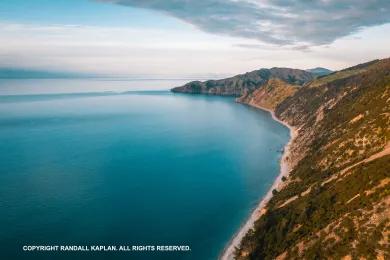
(228, 252)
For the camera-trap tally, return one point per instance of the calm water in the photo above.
(147, 168)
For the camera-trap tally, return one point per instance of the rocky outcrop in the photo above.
(245, 83)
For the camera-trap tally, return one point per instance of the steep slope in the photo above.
(272, 93)
(335, 202)
(245, 83)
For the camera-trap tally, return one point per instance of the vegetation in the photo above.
(271, 94)
(246, 83)
(336, 200)
(341, 191)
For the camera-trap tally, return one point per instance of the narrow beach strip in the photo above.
(228, 252)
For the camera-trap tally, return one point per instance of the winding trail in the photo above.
(382, 153)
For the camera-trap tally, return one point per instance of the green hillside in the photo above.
(336, 201)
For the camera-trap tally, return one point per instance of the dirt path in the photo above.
(380, 154)
(384, 152)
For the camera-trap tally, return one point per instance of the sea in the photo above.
(127, 167)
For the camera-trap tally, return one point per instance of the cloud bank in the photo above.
(281, 22)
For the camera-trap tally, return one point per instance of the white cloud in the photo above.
(170, 53)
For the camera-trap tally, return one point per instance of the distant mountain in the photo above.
(15, 73)
(320, 71)
(246, 83)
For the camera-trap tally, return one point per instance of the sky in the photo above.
(190, 38)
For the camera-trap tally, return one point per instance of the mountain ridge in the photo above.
(335, 202)
(320, 71)
(336, 196)
(245, 83)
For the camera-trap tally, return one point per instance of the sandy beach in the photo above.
(228, 252)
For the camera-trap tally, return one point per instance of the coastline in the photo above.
(285, 169)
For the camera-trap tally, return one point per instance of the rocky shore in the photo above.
(285, 168)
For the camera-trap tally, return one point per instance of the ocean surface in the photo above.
(83, 166)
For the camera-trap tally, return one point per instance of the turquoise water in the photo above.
(142, 168)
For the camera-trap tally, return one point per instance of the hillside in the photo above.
(245, 83)
(335, 202)
(320, 71)
(270, 94)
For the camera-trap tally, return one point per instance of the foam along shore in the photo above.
(285, 168)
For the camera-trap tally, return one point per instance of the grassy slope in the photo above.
(271, 94)
(344, 118)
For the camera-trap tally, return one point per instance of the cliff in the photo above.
(272, 93)
(335, 202)
(245, 83)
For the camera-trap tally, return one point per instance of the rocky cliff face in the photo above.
(245, 83)
(336, 202)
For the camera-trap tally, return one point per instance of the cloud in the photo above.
(256, 46)
(115, 50)
(253, 46)
(170, 52)
(280, 22)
